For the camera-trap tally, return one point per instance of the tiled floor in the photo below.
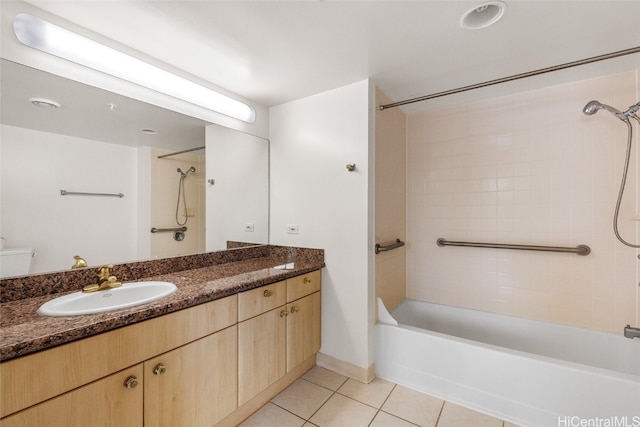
(325, 399)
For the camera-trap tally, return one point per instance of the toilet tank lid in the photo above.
(16, 251)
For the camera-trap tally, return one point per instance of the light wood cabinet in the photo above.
(106, 402)
(261, 353)
(275, 342)
(257, 301)
(194, 385)
(306, 284)
(34, 378)
(78, 379)
(303, 329)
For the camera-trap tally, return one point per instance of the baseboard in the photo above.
(364, 375)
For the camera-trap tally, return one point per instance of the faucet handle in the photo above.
(112, 282)
(80, 262)
(105, 271)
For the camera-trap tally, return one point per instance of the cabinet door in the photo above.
(303, 329)
(106, 402)
(261, 352)
(194, 385)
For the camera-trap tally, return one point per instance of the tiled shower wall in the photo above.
(163, 199)
(529, 168)
(391, 201)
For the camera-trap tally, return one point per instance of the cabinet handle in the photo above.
(306, 281)
(294, 310)
(160, 369)
(284, 313)
(267, 293)
(131, 382)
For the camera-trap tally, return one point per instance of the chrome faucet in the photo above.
(105, 280)
(630, 332)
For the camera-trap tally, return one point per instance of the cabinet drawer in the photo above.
(260, 300)
(303, 285)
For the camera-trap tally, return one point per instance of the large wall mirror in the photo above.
(173, 172)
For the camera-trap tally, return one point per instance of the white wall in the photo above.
(312, 141)
(35, 166)
(239, 164)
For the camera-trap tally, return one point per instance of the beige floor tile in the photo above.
(340, 411)
(273, 415)
(413, 406)
(373, 394)
(325, 378)
(302, 398)
(457, 416)
(387, 420)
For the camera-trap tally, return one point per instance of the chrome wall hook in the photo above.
(351, 167)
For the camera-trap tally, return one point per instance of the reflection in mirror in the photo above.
(177, 202)
(100, 142)
(237, 192)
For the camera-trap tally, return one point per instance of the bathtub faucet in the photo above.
(630, 332)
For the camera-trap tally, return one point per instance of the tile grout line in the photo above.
(444, 402)
(380, 408)
(323, 403)
(284, 409)
(333, 392)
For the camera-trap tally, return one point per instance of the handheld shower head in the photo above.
(594, 106)
(591, 108)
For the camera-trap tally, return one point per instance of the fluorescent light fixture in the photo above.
(47, 37)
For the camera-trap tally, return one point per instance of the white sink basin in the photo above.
(129, 295)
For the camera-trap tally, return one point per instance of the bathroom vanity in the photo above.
(208, 363)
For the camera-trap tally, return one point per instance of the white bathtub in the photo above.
(528, 372)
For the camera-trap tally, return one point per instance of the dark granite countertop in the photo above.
(23, 330)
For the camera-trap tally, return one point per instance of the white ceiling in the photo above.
(272, 52)
(86, 112)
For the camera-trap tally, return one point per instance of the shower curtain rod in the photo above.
(514, 77)
(180, 152)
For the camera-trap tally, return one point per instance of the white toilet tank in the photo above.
(15, 262)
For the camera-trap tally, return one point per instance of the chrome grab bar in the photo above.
(162, 230)
(583, 250)
(397, 244)
(76, 193)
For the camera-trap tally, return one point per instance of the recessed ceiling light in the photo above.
(44, 103)
(483, 15)
(149, 131)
